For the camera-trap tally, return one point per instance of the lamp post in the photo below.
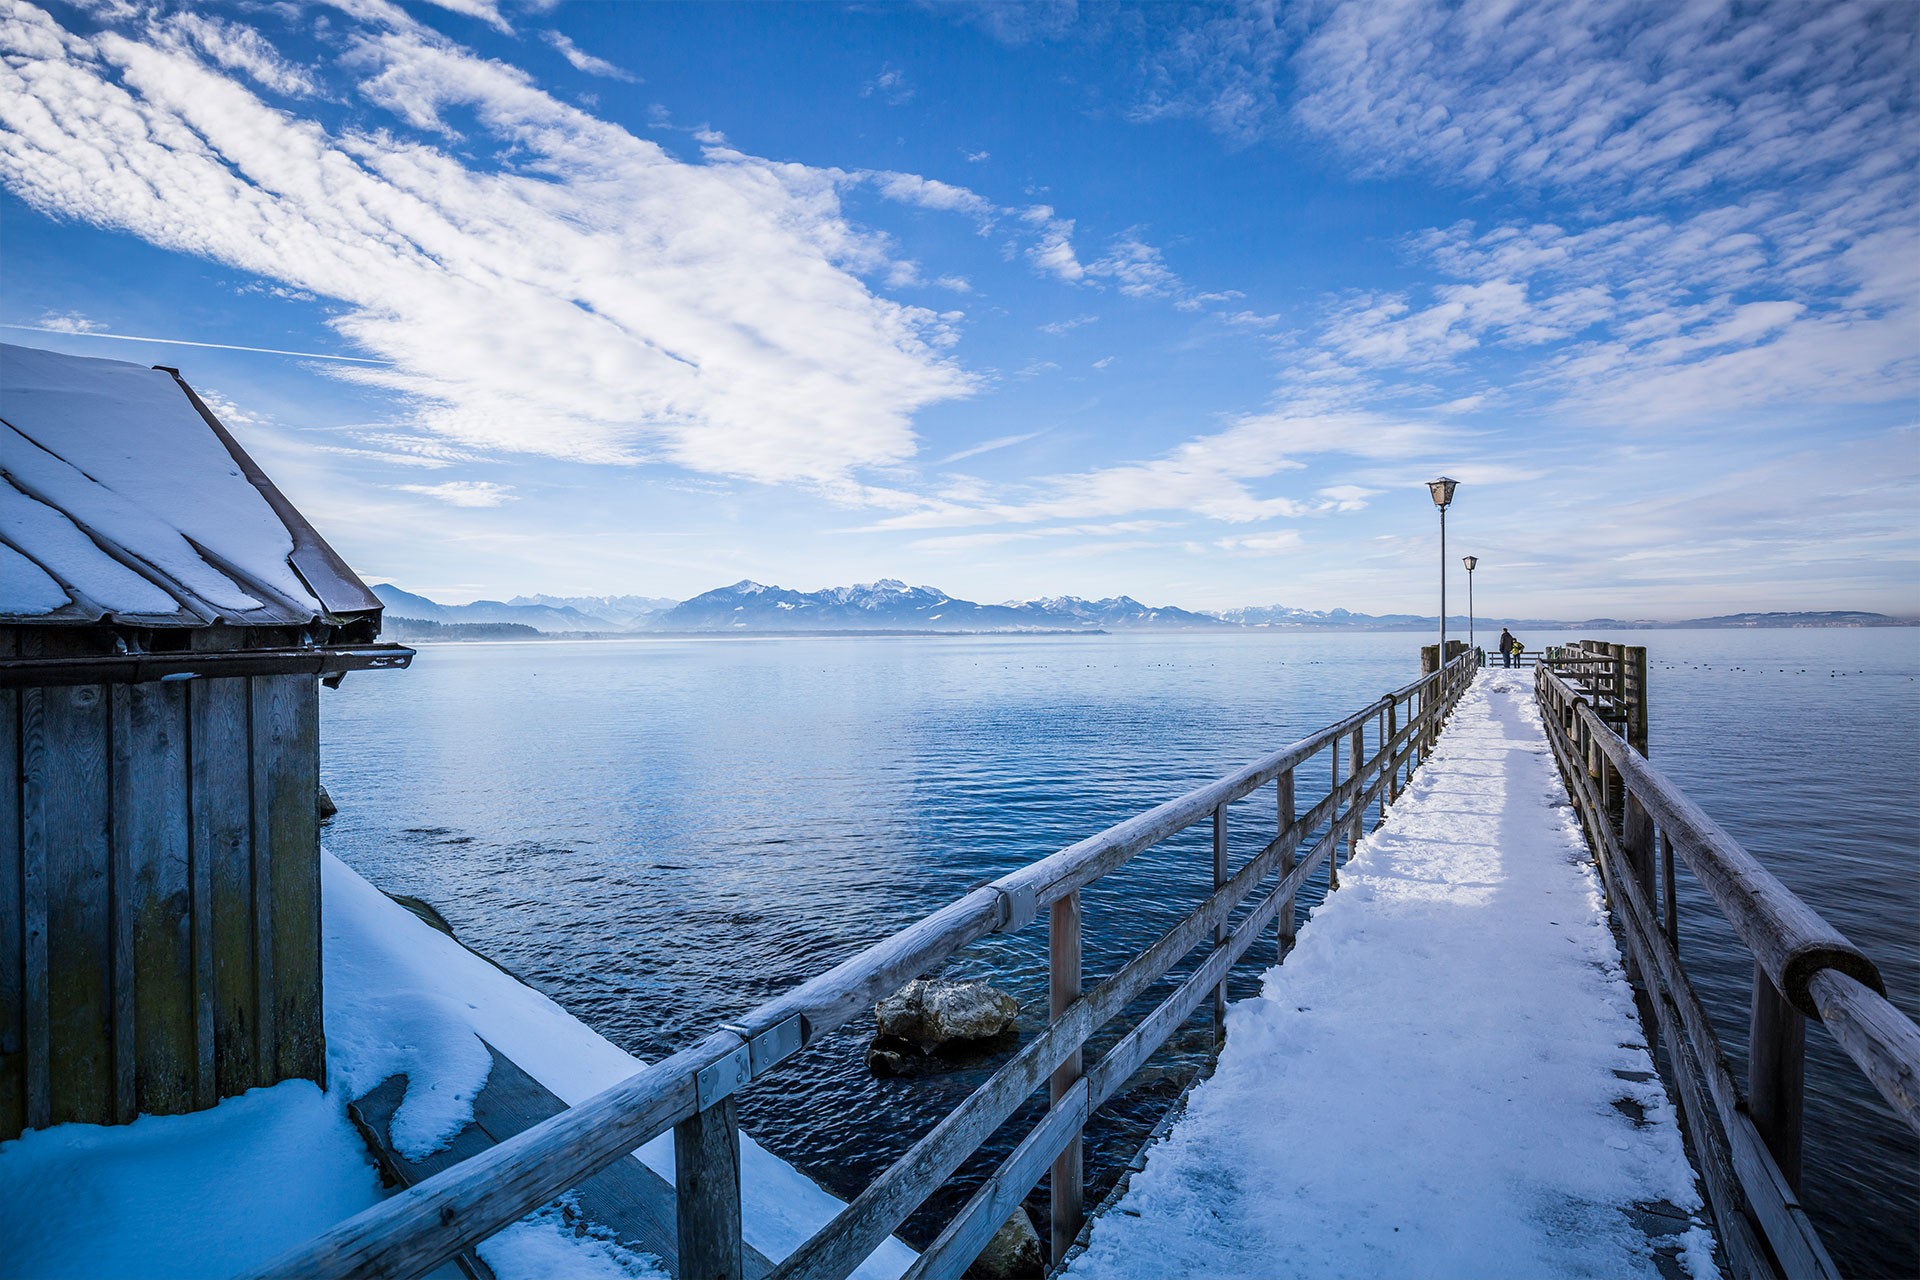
(1442, 491)
(1472, 562)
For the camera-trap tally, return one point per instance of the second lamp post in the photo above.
(1471, 562)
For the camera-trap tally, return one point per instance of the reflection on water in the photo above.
(661, 834)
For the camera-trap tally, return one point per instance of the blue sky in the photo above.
(1178, 302)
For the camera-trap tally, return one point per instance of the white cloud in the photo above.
(1018, 24)
(1058, 327)
(66, 322)
(487, 11)
(1349, 497)
(967, 542)
(931, 193)
(998, 442)
(1199, 300)
(230, 413)
(596, 300)
(1133, 266)
(1276, 542)
(1733, 186)
(1596, 91)
(1053, 253)
(890, 86)
(239, 48)
(463, 493)
(1217, 64)
(1660, 318)
(583, 61)
(977, 157)
(1219, 477)
(401, 448)
(1137, 269)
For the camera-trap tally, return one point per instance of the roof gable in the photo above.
(122, 498)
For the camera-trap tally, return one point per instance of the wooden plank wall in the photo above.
(159, 896)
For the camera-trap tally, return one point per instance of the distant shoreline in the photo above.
(455, 633)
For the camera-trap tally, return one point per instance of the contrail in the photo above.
(182, 342)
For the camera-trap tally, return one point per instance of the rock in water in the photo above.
(1012, 1254)
(888, 1057)
(325, 804)
(930, 1013)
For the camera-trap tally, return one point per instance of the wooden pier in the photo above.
(1642, 828)
(1638, 824)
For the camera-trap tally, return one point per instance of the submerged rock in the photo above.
(1012, 1254)
(929, 1014)
(889, 1056)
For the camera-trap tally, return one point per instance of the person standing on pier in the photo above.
(1507, 646)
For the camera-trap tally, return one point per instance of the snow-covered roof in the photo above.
(125, 500)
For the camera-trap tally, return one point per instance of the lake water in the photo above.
(662, 834)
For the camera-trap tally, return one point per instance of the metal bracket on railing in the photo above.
(1020, 908)
(718, 1079)
(758, 1054)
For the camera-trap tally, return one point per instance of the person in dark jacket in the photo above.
(1507, 646)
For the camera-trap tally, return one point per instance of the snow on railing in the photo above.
(1638, 821)
(694, 1091)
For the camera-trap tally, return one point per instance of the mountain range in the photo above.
(892, 606)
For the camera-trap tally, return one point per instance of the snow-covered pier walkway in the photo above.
(1446, 1077)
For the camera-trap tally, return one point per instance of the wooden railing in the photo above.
(694, 1091)
(1747, 1145)
(1614, 680)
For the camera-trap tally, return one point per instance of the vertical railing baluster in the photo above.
(1334, 824)
(1672, 916)
(1392, 763)
(1356, 770)
(1420, 729)
(1637, 842)
(1220, 930)
(1776, 1073)
(1067, 1188)
(706, 1167)
(1381, 753)
(1285, 818)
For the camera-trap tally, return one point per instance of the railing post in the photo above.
(1356, 769)
(1637, 842)
(1637, 699)
(1776, 1073)
(1617, 653)
(1067, 1188)
(1392, 761)
(706, 1175)
(1424, 735)
(1334, 824)
(1285, 817)
(1220, 930)
(1671, 914)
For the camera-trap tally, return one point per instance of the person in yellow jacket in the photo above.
(1510, 648)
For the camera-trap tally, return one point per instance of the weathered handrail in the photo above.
(1749, 1144)
(693, 1090)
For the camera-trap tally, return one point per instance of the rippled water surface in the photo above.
(664, 833)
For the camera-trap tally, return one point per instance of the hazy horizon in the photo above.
(1462, 616)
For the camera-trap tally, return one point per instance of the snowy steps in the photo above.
(626, 1199)
(1661, 1221)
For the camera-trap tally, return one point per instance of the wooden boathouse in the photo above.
(166, 620)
